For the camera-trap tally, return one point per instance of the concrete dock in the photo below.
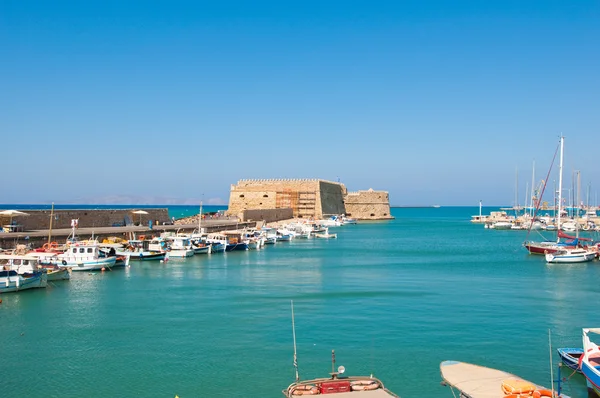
(37, 238)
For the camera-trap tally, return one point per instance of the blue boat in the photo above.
(570, 357)
(590, 361)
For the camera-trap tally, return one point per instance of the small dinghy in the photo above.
(475, 381)
(570, 357)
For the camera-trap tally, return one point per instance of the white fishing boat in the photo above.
(502, 225)
(181, 247)
(325, 235)
(333, 221)
(589, 362)
(474, 381)
(30, 263)
(12, 281)
(348, 220)
(85, 256)
(337, 384)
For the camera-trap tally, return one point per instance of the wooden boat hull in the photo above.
(541, 247)
(570, 357)
(60, 274)
(181, 253)
(217, 248)
(202, 249)
(93, 265)
(144, 256)
(10, 281)
(236, 246)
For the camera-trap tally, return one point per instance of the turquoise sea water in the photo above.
(392, 298)
(177, 211)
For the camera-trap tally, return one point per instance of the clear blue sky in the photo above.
(438, 102)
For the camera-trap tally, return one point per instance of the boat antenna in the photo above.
(551, 367)
(295, 352)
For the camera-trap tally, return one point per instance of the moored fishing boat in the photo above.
(589, 362)
(180, 247)
(231, 239)
(139, 250)
(325, 235)
(27, 265)
(341, 386)
(570, 357)
(11, 281)
(337, 383)
(474, 381)
(85, 256)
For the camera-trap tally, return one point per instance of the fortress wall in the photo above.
(331, 198)
(368, 205)
(243, 199)
(40, 219)
(268, 215)
(303, 196)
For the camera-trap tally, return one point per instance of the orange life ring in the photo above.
(46, 246)
(53, 245)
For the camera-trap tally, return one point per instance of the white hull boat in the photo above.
(11, 281)
(589, 362)
(475, 381)
(569, 256)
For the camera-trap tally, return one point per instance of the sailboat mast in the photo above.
(560, 173)
(532, 185)
(294, 334)
(517, 192)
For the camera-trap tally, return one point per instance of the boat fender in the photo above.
(64, 262)
(364, 385)
(305, 390)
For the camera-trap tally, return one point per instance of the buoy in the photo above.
(102, 269)
(0, 301)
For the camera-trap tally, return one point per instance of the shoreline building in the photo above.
(276, 199)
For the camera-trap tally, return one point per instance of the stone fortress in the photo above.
(304, 198)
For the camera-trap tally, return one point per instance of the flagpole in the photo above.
(294, 335)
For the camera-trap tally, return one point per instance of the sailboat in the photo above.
(550, 247)
(575, 253)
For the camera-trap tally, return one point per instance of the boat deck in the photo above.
(475, 381)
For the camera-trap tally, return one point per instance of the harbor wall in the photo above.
(267, 215)
(368, 205)
(40, 219)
